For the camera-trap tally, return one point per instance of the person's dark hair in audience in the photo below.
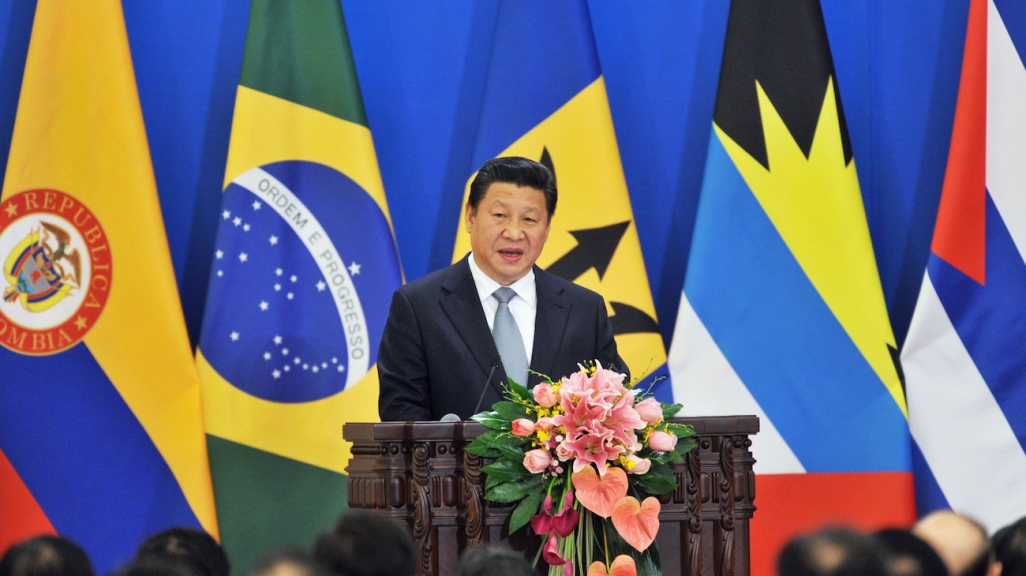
(154, 565)
(909, 555)
(492, 561)
(46, 556)
(287, 562)
(196, 549)
(365, 544)
(960, 541)
(832, 552)
(1009, 545)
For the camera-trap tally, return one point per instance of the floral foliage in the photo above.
(584, 441)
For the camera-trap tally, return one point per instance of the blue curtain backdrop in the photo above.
(421, 66)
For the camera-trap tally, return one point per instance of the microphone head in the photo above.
(450, 417)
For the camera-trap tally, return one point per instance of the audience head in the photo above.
(832, 552)
(909, 555)
(46, 556)
(492, 561)
(961, 543)
(365, 544)
(1009, 544)
(286, 562)
(194, 550)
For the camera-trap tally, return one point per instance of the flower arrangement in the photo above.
(597, 449)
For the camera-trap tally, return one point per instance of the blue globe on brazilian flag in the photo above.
(304, 268)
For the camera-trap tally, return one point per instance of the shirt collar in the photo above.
(486, 286)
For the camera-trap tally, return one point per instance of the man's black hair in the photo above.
(46, 556)
(514, 170)
(832, 552)
(194, 548)
(363, 543)
(492, 561)
(1009, 545)
(909, 555)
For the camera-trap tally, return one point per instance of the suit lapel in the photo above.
(549, 324)
(462, 305)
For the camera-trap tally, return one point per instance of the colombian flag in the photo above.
(101, 437)
(545, 99)
(303, 274)
(966, 373)
(782, 313)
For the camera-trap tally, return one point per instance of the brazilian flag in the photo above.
(545, 99)
(304, 267)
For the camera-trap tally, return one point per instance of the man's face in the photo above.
(508, 230)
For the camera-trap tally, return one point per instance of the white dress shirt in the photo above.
(523, 306)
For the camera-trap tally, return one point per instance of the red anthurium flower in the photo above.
(566, 521)
(541, 523)
(551, 551)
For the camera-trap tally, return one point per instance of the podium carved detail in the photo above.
(418, 473)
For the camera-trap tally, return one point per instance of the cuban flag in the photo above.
(963, 358)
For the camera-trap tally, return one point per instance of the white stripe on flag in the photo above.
(1006, 128)
(957, 422)
(706, 384)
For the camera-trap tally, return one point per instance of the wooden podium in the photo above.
(418, 473)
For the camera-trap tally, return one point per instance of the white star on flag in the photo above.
(263, 306)
(237, 221)
(267, 355)
(276, 374)
(225, 214)
(277, 287)
(273, 240)
(277, 272)
(289, 295)
(284, 351)
(245, 227)
(293, 278)
(277, 339)
(321, 286)
(219, 254)
(243, 257)
(354, 268)
(256, 205)
(341, 367)
(235, 336)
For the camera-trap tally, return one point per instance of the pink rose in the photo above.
(650, 411)
(661, 441)
(563, 452)
(545, 396)
(536, 461)
(523, 427)
(544, 423)
(641, 465)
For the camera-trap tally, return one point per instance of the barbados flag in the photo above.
(101, 435)
(545, 99)
(965, 370)
(302, 277)
(782, 313)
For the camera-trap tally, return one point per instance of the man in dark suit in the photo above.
(440, 351)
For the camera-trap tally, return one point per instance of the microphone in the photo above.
(450, 417)
(495, 364)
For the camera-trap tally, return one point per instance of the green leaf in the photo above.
(512, 491)
(670, 410)
(493, 421)
(492, 482)
(680, 430)
(482, 445)
(514, 453)
(684, 446)
(657, 481)
(510, 410)
(527, 508)
(520, 392)
(506, 470)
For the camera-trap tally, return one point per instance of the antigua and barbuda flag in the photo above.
(302, 277)
(964, 367)
(782, 313)
(101, 433)
(545, 99)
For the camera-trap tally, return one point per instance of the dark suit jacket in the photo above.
(437, 352)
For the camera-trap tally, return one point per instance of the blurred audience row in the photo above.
(365, 544)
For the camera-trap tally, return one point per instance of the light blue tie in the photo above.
(507, 338)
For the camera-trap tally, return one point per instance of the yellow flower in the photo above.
(542, 435)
